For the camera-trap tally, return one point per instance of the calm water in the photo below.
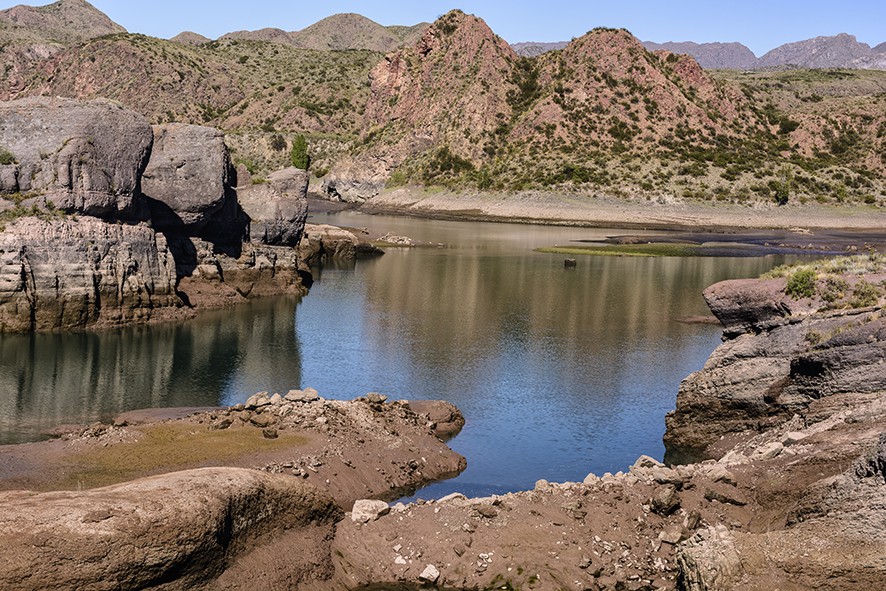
(559, 372)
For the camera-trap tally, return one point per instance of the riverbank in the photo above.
(606, 212)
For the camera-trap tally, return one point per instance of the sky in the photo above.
(760, 24)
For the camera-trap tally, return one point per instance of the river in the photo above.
(559, 372)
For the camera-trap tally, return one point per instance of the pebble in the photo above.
(430, 575)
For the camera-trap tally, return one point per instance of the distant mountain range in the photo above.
(838, 51)
(337, 32)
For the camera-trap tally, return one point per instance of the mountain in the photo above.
(839, 51)
(533, 49)
(353, 31)
(270, 35)
(881, 48)
(190, 38)
(64, 21)
(339, 32)
(462, 106)
(711, 56)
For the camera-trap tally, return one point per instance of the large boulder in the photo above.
(277, 208)
(82, 157)
(189, 184)
(176, 531)
(72, 273)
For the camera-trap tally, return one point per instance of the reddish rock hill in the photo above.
(462, 103)
(62, 21)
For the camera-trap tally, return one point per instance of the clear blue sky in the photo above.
(759, 24)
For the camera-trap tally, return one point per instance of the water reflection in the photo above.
(559, 372)
(52, 379)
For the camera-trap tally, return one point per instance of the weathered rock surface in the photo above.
(82, 157)
(277, 209)
(177, 531)
(189, 184)
(781, 354)
(73, 273)
(322, 242)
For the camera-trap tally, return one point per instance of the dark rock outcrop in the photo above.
(67, 273)
(322, 243)
(277, 208)
(189, 184)
(82, 157)
(780, 355)
(177, 531)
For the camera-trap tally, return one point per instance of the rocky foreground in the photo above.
(787, 488)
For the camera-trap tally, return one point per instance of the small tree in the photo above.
(299, 154)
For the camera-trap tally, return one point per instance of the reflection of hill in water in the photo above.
(475, 301)
(49, 379)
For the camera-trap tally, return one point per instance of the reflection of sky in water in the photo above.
(559, 372)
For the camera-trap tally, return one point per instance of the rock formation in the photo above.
(839, 51)
(84, 158)
(177, 531)
(179, 237)
(782, 354)
(67, 273)
(730, 56)
(189, 183)
(276, 208)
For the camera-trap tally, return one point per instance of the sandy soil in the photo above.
(597, 211)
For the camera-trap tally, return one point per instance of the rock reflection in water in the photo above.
(219, 358)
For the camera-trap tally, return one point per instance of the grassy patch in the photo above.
(167, 448)
(862, 264)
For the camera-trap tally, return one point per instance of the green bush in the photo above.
(801, 284)
(6, 157)
(865, 294)
(299, 154)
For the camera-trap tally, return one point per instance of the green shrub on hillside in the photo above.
(6, 157)
(801, 284)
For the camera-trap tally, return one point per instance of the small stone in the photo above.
(693, 520)
(542, 485)
(792, 438)
(397, 548)
(719, 473)
(261, 420)
(671, 535)
(454, 498)
(665, 500)
(366, 510)
(276, 399)
(459, 551)
(585, 563)
(376, 398)
(713, 495)
(667, 476)
(647, 462)
(487, 512)
(221, 424)
(769, 451)
(307, 395)
(591, 479)
(399, 560)
(270, 433)
(430, 575)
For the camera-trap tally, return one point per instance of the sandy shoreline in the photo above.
(606, 212)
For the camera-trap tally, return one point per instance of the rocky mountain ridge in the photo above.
(838, 51)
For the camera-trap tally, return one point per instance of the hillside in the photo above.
(64, 21)
(459, 108)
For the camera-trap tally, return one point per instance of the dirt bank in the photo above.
(607, 212)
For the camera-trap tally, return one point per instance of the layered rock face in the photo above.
(781, 353)
(177, 531)
(81, 157)
(76, 272)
